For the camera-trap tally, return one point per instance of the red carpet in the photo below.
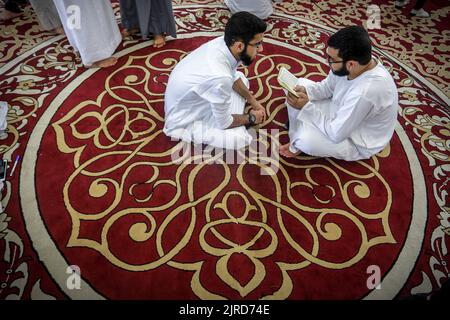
(97, 187)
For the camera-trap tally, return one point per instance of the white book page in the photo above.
(287, 80)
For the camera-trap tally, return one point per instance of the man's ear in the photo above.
(351, 64)
(240, 46)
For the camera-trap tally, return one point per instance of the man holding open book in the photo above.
(352, 113)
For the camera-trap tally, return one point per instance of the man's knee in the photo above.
(314, 143)
(311, 142)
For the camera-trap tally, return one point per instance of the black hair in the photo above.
(243, 26)
(353, 43)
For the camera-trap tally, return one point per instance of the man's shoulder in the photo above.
(376, 88)
(376, 79)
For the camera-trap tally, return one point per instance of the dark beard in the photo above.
(245, 58)
(341, 72)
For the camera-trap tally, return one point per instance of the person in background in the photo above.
(417, 11)
(260, 8)
(47, 15)
(149, 17)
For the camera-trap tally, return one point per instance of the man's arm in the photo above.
(239, 120)
(300, 101)
(322, 90)
(218, 93)
(347, 119)
(243, 91)
(243, 119)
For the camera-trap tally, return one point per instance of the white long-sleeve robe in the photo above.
(200, 100)
(345, 119)
(98, 35)
(260, 8)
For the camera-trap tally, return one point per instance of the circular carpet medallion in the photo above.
(103, 191)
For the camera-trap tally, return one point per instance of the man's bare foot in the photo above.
(285, 152)
(159, 41)
(105, 63)
(129, 32)
(59, 30)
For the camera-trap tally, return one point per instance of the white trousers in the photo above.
(306, 137)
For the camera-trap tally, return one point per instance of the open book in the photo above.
(287, 80)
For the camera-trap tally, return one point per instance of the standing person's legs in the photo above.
(47, 15)
(156, 24)
(97, 36)
(129, 17)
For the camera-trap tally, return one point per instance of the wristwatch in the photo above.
(251, 119)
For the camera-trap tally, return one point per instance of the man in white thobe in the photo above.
(350, 115)
(206, 95)
(260, 8)
(91, 29)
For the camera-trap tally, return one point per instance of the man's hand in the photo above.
(300, 101)
(243, 91)
(257, 106)
(259, 114)
(299, 89)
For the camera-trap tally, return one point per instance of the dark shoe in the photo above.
(12, 6)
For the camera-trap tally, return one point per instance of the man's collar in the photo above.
(227, 52)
